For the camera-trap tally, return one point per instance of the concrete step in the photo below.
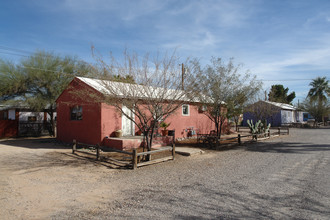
(188, 151)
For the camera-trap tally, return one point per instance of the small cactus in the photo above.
(267, 128)
(254, 128)
(258, 127)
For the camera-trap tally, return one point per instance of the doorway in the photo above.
(127, 124)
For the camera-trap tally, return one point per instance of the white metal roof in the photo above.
(282, 105)
(126, 90)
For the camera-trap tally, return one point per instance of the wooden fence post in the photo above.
(173, 145)
(239, 139)
(173, 151)
(97, 152)
(134, 159)
(279, 131)
(74, 146)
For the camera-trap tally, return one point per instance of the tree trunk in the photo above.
(51, 128)
(220, 129)
(217, 128)
(236, 123)
(148, 140)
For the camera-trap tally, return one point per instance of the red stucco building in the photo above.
(21, 121)
(8, 122)
(92, 123)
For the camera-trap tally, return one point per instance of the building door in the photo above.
(127, 124)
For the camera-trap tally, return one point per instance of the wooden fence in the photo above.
(75, 149)
(210, 140)
(280, 130)
(33, 128)
(136, 156)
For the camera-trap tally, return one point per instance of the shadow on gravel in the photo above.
(44, 161)
(48, 160)
(35, 143)
(286, 147)
(196, 201)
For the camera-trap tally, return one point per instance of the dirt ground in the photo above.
(39, 178)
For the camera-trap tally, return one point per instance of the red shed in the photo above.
(92, 123)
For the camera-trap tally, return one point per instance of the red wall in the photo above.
(87, 130)
(8, 128)
(199, 121)
(110, 120)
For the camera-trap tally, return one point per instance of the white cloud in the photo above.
(315, 58)
(317, 20)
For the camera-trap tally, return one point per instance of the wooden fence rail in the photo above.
(136, 164)
(97, 148)
(247, 129)
(135, 155)
(207, 139)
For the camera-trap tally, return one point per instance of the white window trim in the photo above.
(188, 110)
(11, 114)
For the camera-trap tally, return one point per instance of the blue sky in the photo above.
(281, 41)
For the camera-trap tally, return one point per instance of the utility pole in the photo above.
(183, 71)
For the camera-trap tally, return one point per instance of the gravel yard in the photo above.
(282, 178)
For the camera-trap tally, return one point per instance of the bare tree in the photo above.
(235, 107)
(222, 88)
(262, 110)
(152, 94)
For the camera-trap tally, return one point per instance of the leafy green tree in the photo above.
(280, 94)
(317, 101)
(315, 109)
(38, 80)
(320, 89)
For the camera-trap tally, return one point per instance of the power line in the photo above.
(14, 49)
(25, 52)
(282, 80)
(54, 71)
(14, 54)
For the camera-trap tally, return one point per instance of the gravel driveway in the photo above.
(281, 178)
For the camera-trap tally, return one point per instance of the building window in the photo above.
(5, 115)
(12, 114)
(305, 116)
(185, 110)
(76, 113)
(32, 119)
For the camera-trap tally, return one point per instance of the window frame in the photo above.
(5, 115)
(74, 111)
(188, 109)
